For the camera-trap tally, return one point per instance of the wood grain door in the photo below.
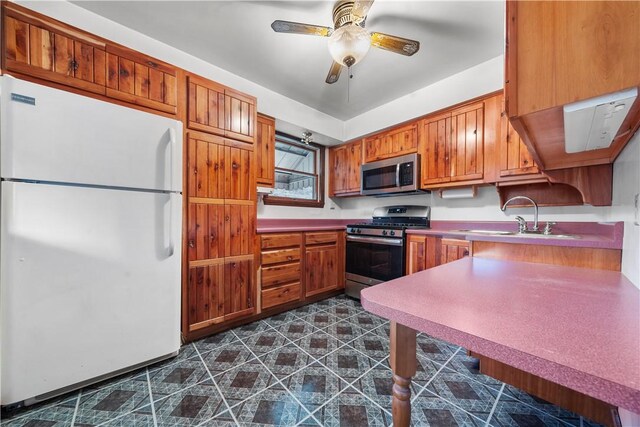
(239, 229)
(422, 252)
(239, 181)
(338, 170)
(435, 143)
(403, 140)
(354, 162)
(239, 288)
(453, 249)
(34, 47)
(375, 148)
(515, 158)
(240, 116)
(320, 269)
(205, 105)
(467, 145)
(206, 231)
(205, 167)
(265, 150)
(141, 80)
(205, 293)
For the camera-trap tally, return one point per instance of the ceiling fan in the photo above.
(349, 41)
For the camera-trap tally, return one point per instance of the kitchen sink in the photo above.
(488, 232)
(516, 234)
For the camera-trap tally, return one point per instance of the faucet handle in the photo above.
(547, 227)
(522, 224)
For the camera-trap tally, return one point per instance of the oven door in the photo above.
(372, 260)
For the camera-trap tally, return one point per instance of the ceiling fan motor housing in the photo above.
(342, 13)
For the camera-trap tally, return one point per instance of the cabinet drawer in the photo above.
(280, 295)
(280, 255)
(280, 274)
(316, 238)
(270, 241)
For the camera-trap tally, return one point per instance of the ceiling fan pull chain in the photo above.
(349, 84)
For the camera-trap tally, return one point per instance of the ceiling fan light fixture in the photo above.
(349, 44)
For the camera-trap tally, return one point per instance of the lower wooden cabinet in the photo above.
(425, 252)
(296, 266)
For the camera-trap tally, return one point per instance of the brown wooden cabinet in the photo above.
(281, 269)
(562, 52)
(219, 110)
(344, 169)
(142, 80)
(425, 252)
(42, 48)
(391, 143)
(324, 262)
(452, 146)
(265, 150)
(515, 158)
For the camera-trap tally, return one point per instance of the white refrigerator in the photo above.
(90, 238)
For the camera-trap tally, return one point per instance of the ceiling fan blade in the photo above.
(360, 10)
(395, 44)
(334, 73)
(299, 28)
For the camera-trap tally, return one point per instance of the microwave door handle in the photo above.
(398, 175)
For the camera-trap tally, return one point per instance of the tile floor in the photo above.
(324, 364)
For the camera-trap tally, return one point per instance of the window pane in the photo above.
(295, 158)
(295, 186)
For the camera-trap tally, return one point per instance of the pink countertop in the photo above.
(576, 327)
(269, 225)
(605, 235)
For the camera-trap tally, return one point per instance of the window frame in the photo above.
(320, 172)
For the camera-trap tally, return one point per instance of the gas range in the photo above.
(392, 221)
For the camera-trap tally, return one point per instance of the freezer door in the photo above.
(53, 135)
(90, 283)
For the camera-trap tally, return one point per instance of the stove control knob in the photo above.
(358, 231)
(384, 232)
(392, 233)
(352, 230)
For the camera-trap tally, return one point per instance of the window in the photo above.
(299, 177)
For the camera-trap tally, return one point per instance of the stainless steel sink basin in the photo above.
(516, 234)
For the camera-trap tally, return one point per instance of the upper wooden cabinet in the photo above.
(452, 146)
(219, 110)
(265, 150)
(562, 52)
(43, 48)
(344, 169)
(391, 143)
(139, 79)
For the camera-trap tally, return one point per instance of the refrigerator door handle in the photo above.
(171, 207)
(172, 148)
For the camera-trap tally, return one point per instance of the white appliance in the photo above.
(90, 237)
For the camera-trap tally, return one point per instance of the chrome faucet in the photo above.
(523, 225)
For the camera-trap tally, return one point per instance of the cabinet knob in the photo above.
(289, 258)
(234, 165)
(192, 244)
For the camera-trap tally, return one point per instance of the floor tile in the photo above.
(286, 360)
(352, 409)
(430, 410)
(469, 366)
(342, 311)
(329, 302)
(314, 386)
(377, 384)
(373, 345)
(176, 377)
(351, 302)
(511, 394)
(251, 329)
(281, 319)
(426, 370)
(306, 310)
(296, 329)
(517, 414)
(318, 344)
(367, 321)
(224, 419)
(265, 341)
(274, 406)
(59, 413)
(142, 417)
(186, 352)
(348, 363)
(434, 349)
(227, 357)
(344, 331)
(244, 381)
(213, 342)
(190, 406)
(113, 401)
(465, 393)
(320, 319)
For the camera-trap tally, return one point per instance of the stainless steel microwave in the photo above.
(396, 175)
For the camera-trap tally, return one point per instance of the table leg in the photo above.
(403, 365)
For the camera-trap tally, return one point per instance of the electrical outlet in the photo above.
(637, 214)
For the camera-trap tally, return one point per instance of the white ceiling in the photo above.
(236, 36)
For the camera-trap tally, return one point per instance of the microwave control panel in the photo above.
(406, 174)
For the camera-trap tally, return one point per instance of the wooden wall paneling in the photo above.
(206, 296)
(265, 150)
(597, 258)
(240, 292)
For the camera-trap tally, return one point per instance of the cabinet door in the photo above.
(141, 80)
(34, 48)
(435, 142)
(338, 170)
(205, 166)
(206, 106)
(453, 249)
(354, 161)
(422, 252)
(374, 148)
(239, 178)
(239, 288)
(205, 293)
(467, 147)
(321, 269)
(206, 231)
(240, 116)
(403, 140)
(515, 158)
(265, 150)
(239, 229)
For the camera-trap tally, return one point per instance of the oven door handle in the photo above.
(398, 175)
(377, 240)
